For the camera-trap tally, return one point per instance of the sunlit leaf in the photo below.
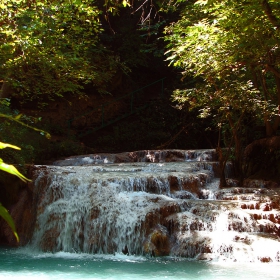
(12, 170)
(125, 3)
(18, 116)
(7, 217)
(5, 145)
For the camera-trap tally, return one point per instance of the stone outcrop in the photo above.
(147, 202)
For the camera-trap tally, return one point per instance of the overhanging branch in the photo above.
(272, 18)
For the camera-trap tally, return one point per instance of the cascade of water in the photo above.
(153, 207)
(103, 209)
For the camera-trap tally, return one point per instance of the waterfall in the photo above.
(158, 203)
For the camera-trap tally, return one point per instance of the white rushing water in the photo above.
(110, 201)
(154, 209)
(149, 219)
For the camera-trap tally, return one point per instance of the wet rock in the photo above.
(137, 203)
(157, 243)
(174, 184)
(265, 207)
(265, 259)
(204, 257)
(49, 240)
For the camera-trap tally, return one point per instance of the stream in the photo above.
(21, 264)
(146, 215)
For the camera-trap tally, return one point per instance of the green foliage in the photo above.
(12, 126)
(49, 48)
(232, 48)
(9, 119)
(12, 170)
(19, 129)
(7, 217)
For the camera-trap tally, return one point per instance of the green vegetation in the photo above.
(49, 48)
(19, 129)
(9, 131)
(224, 66)
(231, 49)
(12, 170)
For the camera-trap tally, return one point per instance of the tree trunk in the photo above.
(270, 15)
(277, 118)
(272, 125)
(237, 147)
(6, 90)
(222, 165)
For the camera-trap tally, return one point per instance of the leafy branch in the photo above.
(12, 170)
(17, 119)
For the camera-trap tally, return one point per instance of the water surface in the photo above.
(19, 264)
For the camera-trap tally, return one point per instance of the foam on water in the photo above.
(123, 207)
(23, 265)
(71, 199)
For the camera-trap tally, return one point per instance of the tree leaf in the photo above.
(125, 3)
(7, 217)
(18, 116)
(5, 145)
(12, 170)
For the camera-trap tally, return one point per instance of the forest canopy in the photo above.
(232, 48)
(52, 47)
(224, 55)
